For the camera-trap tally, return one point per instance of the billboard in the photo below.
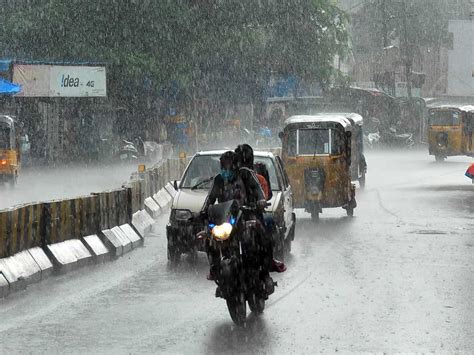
(60, 80)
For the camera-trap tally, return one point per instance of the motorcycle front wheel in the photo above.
(237, 309)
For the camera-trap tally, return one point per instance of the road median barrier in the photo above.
(27, 266)
(60, 235)
(126, 243)
(112, 242)
(13, 274)
(82, 254)
(4, 286)
(63, 257)
(142, 222)
(99, 251)
(131, 234)
(45, 265)
(153, 209)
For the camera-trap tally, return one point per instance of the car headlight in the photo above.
(182, 215)
(222, 232)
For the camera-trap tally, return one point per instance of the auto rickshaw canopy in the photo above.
(319, 121)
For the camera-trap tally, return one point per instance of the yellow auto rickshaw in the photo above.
(451, 131)
(316, 151)
(9, 150)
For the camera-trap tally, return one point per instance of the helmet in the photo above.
(227, 160)
(244, 155)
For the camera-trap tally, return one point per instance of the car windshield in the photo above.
(203, 167)
(445, 118)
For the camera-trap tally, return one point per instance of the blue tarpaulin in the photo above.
(8, 88)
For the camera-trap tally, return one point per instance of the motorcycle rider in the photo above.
(227, 185)
(245, 163)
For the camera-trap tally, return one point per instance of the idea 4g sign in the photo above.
(60, 80)
(77, 81)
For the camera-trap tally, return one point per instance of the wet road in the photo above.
(399, 276)
(36, 184)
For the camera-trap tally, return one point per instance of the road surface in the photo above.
(398, 276)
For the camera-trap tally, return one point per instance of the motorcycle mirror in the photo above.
(201, 235)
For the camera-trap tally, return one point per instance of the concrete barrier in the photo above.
(12, 273)
(152, 207)
(99, 251)
(45, 265)
(112, 242)
(63, 257)
(27, 267)
(37, 238)
(170, 189)
(126, 243)
(83, 256)
(4, 286)
(142, 222)
(132, 235)
(163, 198)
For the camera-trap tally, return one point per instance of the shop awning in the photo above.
(8, 88)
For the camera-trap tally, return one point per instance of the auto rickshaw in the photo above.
(9, 150)
(316, 151)
(451, 131)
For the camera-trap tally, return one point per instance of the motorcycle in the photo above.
(392, 138)
(130, 151)
(232, 235)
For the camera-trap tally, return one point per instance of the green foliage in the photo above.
(212, 48)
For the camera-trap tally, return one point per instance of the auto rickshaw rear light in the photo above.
(3, 162)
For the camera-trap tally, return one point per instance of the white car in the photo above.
(185, 221)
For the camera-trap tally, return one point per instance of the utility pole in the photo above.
(383, 10)
(407, 50)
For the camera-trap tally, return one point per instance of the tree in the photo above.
(415, 24)
(222, 49)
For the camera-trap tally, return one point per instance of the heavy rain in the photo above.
(236, 176)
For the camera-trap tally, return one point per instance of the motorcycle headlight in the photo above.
(182, 215)
(222, 232)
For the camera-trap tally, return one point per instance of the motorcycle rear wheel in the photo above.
(237, 309)
(256, 304)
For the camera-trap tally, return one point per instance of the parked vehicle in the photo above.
(185, 221)
(10, 155)
(316, 151)
(392, 139)
(451, 131)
